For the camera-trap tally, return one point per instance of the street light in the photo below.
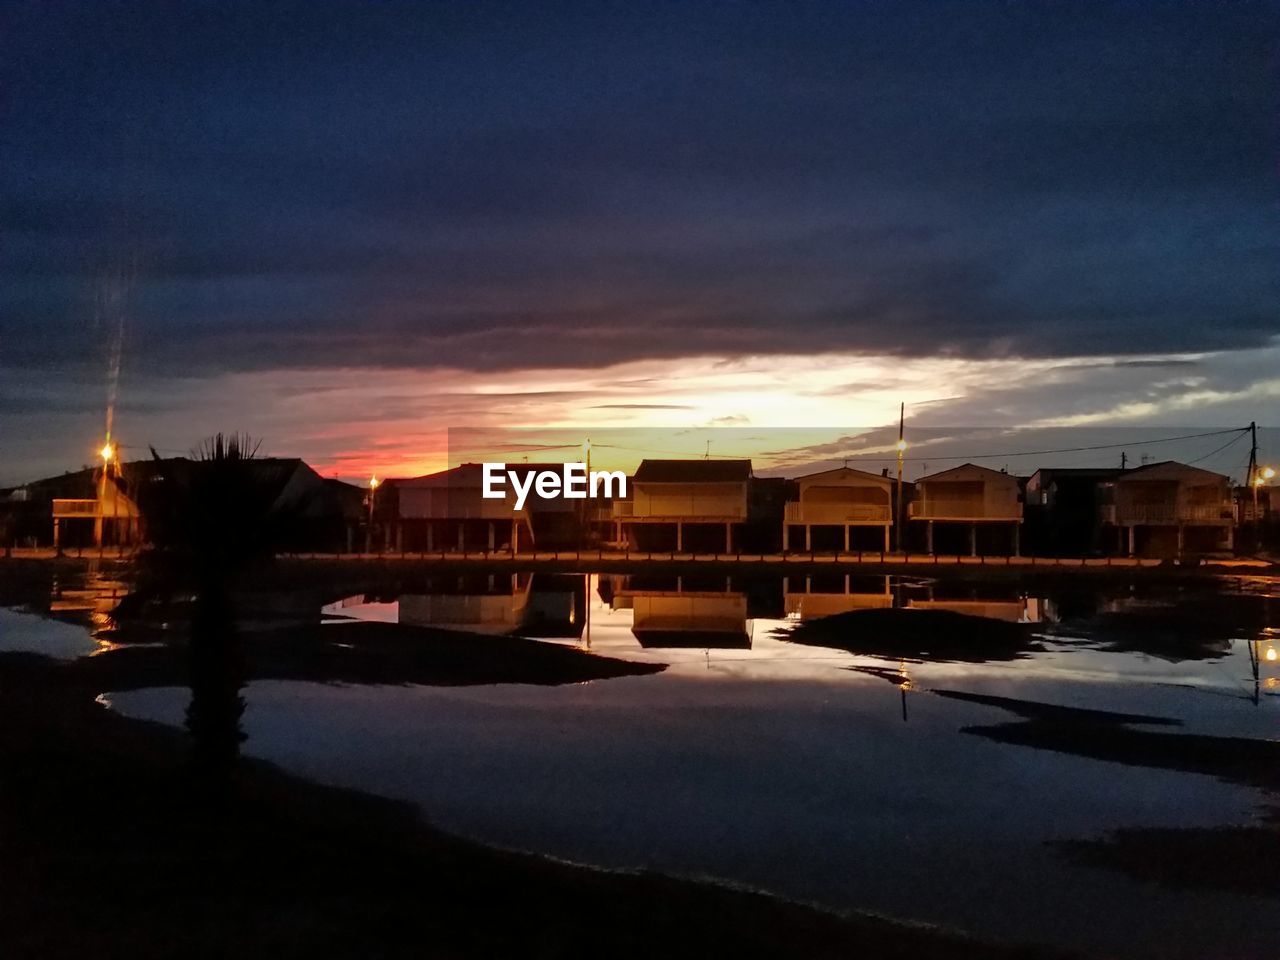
(374, 483)
(1260, 477)
(107, 453)
(901, 446)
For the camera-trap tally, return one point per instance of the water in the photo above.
(847, 777)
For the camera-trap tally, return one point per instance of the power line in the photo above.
(1236, 439)
(1239, 431)
(674, 453)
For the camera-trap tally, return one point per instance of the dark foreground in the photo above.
(115, 845)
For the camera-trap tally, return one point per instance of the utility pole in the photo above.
(1253, 451)
(583, 509)
(108, 453)
(902, 446)
(1124, 460)
(1254, 482)
(374, 483)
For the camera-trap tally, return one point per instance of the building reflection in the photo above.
(699, 611)
(91, 600)
(1264, 661)
(811, 596)
(552, 606)
(493, 603)
(814, 596)
(1013, 609)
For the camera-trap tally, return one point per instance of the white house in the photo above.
(677, 494)
(841, 500)
(970, 495)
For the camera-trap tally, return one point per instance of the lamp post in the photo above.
(902, 448)
(107, 453)
(1261, 476)
(374, 483)
(585, 511)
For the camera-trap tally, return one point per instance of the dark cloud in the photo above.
(503, 185)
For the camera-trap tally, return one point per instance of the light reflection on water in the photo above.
(73, 618)
(796, 767)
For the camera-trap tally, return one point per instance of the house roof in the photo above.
(845, 472)
(471, 474)
(968, 468)
(693, 471)
(1170, 469)
(83, 484)
(1047, 475)
(1078, 471)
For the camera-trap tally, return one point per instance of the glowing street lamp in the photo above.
(1260, 477)
(107, 453)
(374, 483)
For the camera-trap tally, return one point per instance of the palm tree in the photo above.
(216, 510)
(209, 518)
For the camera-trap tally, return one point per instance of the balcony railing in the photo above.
(668, 509)
(838, 513)
(1161, 513)
(70, 509)
(931, 509)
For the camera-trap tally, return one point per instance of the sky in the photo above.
(347, 228)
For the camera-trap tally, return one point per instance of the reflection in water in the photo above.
(813, 596)
(1200, 625)
(774, 755)
(1119, 737)
(919, 633)
(1265, 650)
(551, 606)
(705, 613)
(217, 676)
